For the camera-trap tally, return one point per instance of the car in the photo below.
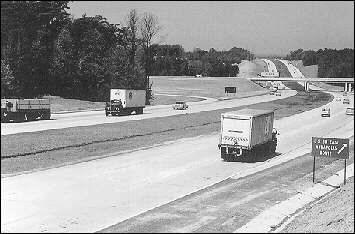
(346, 101)
(349, 111)
(325, 112)
(277, 93)
(198, 75)
(338, 99)
(345, 94)
(180, 106)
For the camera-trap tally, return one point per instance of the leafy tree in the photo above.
(28, 32)
(84, 57)
(7, 80)
(149, 28)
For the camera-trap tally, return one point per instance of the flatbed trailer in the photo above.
(25, 109)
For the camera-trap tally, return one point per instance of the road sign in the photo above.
(330, 147)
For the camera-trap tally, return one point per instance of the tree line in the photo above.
(173, 60)
(331, 62)
(45, 50)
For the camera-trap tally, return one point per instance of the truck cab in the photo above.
(125, 101)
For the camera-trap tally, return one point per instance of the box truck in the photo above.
(125, 101)
(25, 109)
(247, 132)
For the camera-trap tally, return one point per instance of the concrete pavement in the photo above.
(90, 196)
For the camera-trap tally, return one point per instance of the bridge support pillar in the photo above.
(346, 87)
(349, 89)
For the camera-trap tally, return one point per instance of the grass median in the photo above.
(28, 151)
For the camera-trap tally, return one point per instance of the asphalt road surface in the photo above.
(59, 121)
(91, 196)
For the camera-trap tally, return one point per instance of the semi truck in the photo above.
(247, 133)
(25, 109)
(125, 101)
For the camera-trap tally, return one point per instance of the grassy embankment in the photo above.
(332, 214)
(168, 90)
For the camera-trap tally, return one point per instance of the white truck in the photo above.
(125, 101)
(25, 109)
(247, 132)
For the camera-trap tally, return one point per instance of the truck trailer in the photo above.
(125, 101)
(247, 132)
(25, 109)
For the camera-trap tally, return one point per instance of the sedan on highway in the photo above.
(346, 101)
(180, 106)
(325, 112)
(349, 111)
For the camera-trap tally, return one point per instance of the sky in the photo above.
(265, 28)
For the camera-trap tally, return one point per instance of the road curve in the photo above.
(90, 196)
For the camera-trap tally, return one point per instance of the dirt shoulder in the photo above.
(332, 214)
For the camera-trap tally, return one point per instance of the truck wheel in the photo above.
(139, 111)
(4, 116)
(47, 115)
(224, 156)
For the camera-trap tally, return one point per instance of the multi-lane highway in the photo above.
(89, 196)
(270, 65)
(88, 118)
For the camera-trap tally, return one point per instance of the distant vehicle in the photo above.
(125, 101)
(270, 74)
(346, 101)
(247, 132)
(338, 99)
(198, 75)
(349, 111)
(325, 112)
(277, 93)
(180, 106)
(25, 109)
(345, 94)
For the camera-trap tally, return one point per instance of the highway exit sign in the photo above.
(330, 147)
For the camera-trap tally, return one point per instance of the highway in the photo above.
(270, 65)
(272, 68)
(59, 121)
(90, 196)
(294, 71)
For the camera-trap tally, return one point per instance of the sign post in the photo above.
(331, 148)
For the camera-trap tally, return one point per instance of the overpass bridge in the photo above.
(347, 81)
